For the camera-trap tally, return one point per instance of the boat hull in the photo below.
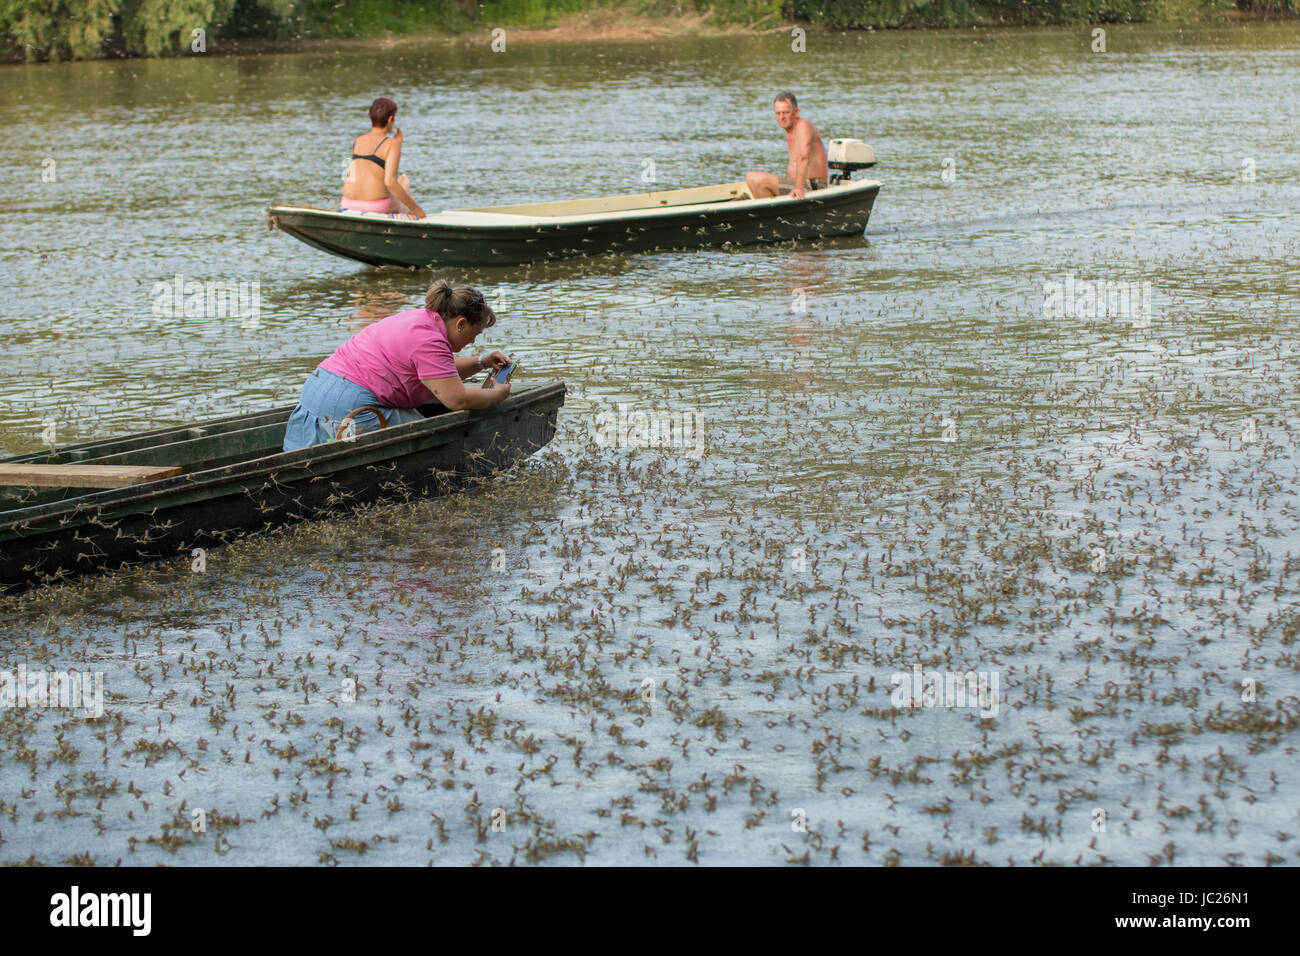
(107, 530)
(455, 239)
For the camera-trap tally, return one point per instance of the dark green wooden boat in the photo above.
(234, 480)
(708, 216)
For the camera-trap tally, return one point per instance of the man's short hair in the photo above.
(788, 97)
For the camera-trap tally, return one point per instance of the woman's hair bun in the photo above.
(464, 300)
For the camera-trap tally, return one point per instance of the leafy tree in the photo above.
(58, 29)
(161, 27)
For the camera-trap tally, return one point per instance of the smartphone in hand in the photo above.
(501, 375)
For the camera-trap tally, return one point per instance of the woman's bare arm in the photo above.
(391, 181)
(467, 365)
(453, 393)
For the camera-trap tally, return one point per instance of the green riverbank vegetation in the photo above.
(40, 30)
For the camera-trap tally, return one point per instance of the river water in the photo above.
(925, 448)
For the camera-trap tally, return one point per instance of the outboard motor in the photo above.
(844, 156)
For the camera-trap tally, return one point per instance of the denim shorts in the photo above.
(326, 400)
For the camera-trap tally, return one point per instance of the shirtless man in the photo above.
(807, 169)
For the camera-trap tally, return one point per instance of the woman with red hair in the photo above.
(373, 184)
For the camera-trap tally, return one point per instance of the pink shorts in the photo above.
(385, 206)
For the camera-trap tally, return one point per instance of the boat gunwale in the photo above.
(813, 199)
(101, 444)
(330, 453)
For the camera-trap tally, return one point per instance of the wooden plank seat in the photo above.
(83, 476)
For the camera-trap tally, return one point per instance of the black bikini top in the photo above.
(371, 156)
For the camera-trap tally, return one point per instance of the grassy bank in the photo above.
(81, 29)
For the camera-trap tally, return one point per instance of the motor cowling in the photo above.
(845, 156)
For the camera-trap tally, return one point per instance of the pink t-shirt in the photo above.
(391, 356)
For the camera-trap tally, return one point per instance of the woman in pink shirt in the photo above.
(396, 365)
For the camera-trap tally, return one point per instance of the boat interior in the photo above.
(697, 196)
(46, 477)
(642, 204)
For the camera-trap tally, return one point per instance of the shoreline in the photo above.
(606, 25)
(578, 28)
